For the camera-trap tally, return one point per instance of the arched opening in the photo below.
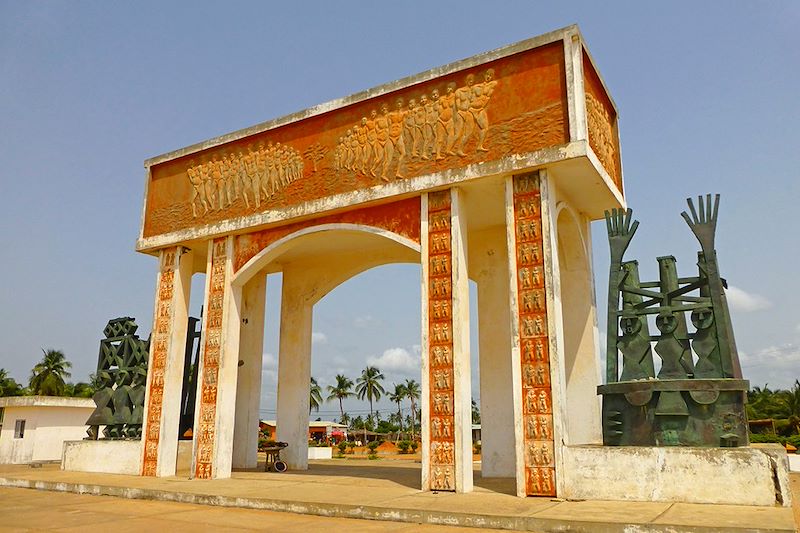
(579, 321)
(311, 263)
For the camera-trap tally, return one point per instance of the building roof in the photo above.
(46, 401)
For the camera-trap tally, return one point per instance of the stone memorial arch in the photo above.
(489, 169)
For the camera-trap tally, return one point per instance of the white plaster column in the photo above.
(294, 369)
(462, 378)
(248, 388)
(165, 376)
(489, 267)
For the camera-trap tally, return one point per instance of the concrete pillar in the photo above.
(575, 298)
(218, 372)
(489, 265)
(165, 376)
(294, 369)
(248, 388)
(534, 363)
(446, 390)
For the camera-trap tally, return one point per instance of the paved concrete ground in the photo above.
(27, 510)
(386, 490)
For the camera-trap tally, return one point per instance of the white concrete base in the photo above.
(320, 453)
(103, 456)
(735, 476)
(794, 462)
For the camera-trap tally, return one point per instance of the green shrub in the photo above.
(414, 446)
(351, 446)
(342, 445)
(403, 446)
(764, 437)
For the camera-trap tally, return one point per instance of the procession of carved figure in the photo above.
(251, 176)
(601, 134)
(430, 127)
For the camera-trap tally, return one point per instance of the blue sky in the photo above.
(706, 93)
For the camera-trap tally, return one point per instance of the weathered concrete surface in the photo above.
(388, 490)
(738, 476)
(103, 456)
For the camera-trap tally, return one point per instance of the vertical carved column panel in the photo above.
(162, 329)
(206, 418)
(440, 342)
(537, 399)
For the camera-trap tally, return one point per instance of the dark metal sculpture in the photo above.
(697, 397)
(191, 357)
(122, 375)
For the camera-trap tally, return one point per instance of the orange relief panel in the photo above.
(602, 122)
(401, 218)
(516, 104)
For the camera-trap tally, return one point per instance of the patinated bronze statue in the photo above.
(697, 397)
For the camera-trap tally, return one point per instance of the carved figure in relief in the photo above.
(441, 404)
(525, 278)
(528, 374)
(384, 147)
(419, 126)
(198, 190)
(446, 425)
(410, 128)
(531, 403)
(396, 137)
(429, 129)
(436, 427)
(464, 120)
(534, 480)
(547, 480)
(543, 401)
(445, 136)
(528, 328)
(481, 92)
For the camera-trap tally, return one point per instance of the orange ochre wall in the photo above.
(526, 111)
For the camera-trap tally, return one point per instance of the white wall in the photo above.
(46, 429)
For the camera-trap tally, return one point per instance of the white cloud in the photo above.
(778, 366)
(364, 322)
(746, 302)
(269, 370)
(318, 337)
(396, 360)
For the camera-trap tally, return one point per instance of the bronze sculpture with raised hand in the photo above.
(620, 232)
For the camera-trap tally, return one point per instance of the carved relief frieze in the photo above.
(159, 352)
(245, 176)
(211, 359)
(440, 338)
(601, 134)
(537, 402)
(431, 126)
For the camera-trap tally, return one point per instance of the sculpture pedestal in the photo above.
(675, 412)
(755, 475)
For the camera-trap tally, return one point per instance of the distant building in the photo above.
(34, 428)
(318, 430)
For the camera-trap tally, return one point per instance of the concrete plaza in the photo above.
(387, 490)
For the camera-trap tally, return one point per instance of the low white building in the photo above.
(34, 428)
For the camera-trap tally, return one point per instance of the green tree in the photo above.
(368, 386)
(791, 399)
(47, 377)
(315, 396)
(476, 412)
(9, 386)
(398, 395)
(413, 392)
(341, 391)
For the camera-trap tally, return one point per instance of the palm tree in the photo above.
(413, 392)
(368, 386)
(47, 377)
(791, 398)
(315, 396)
(399, 394)
(340, 391)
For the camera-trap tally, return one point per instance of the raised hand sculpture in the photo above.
(620, 232)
